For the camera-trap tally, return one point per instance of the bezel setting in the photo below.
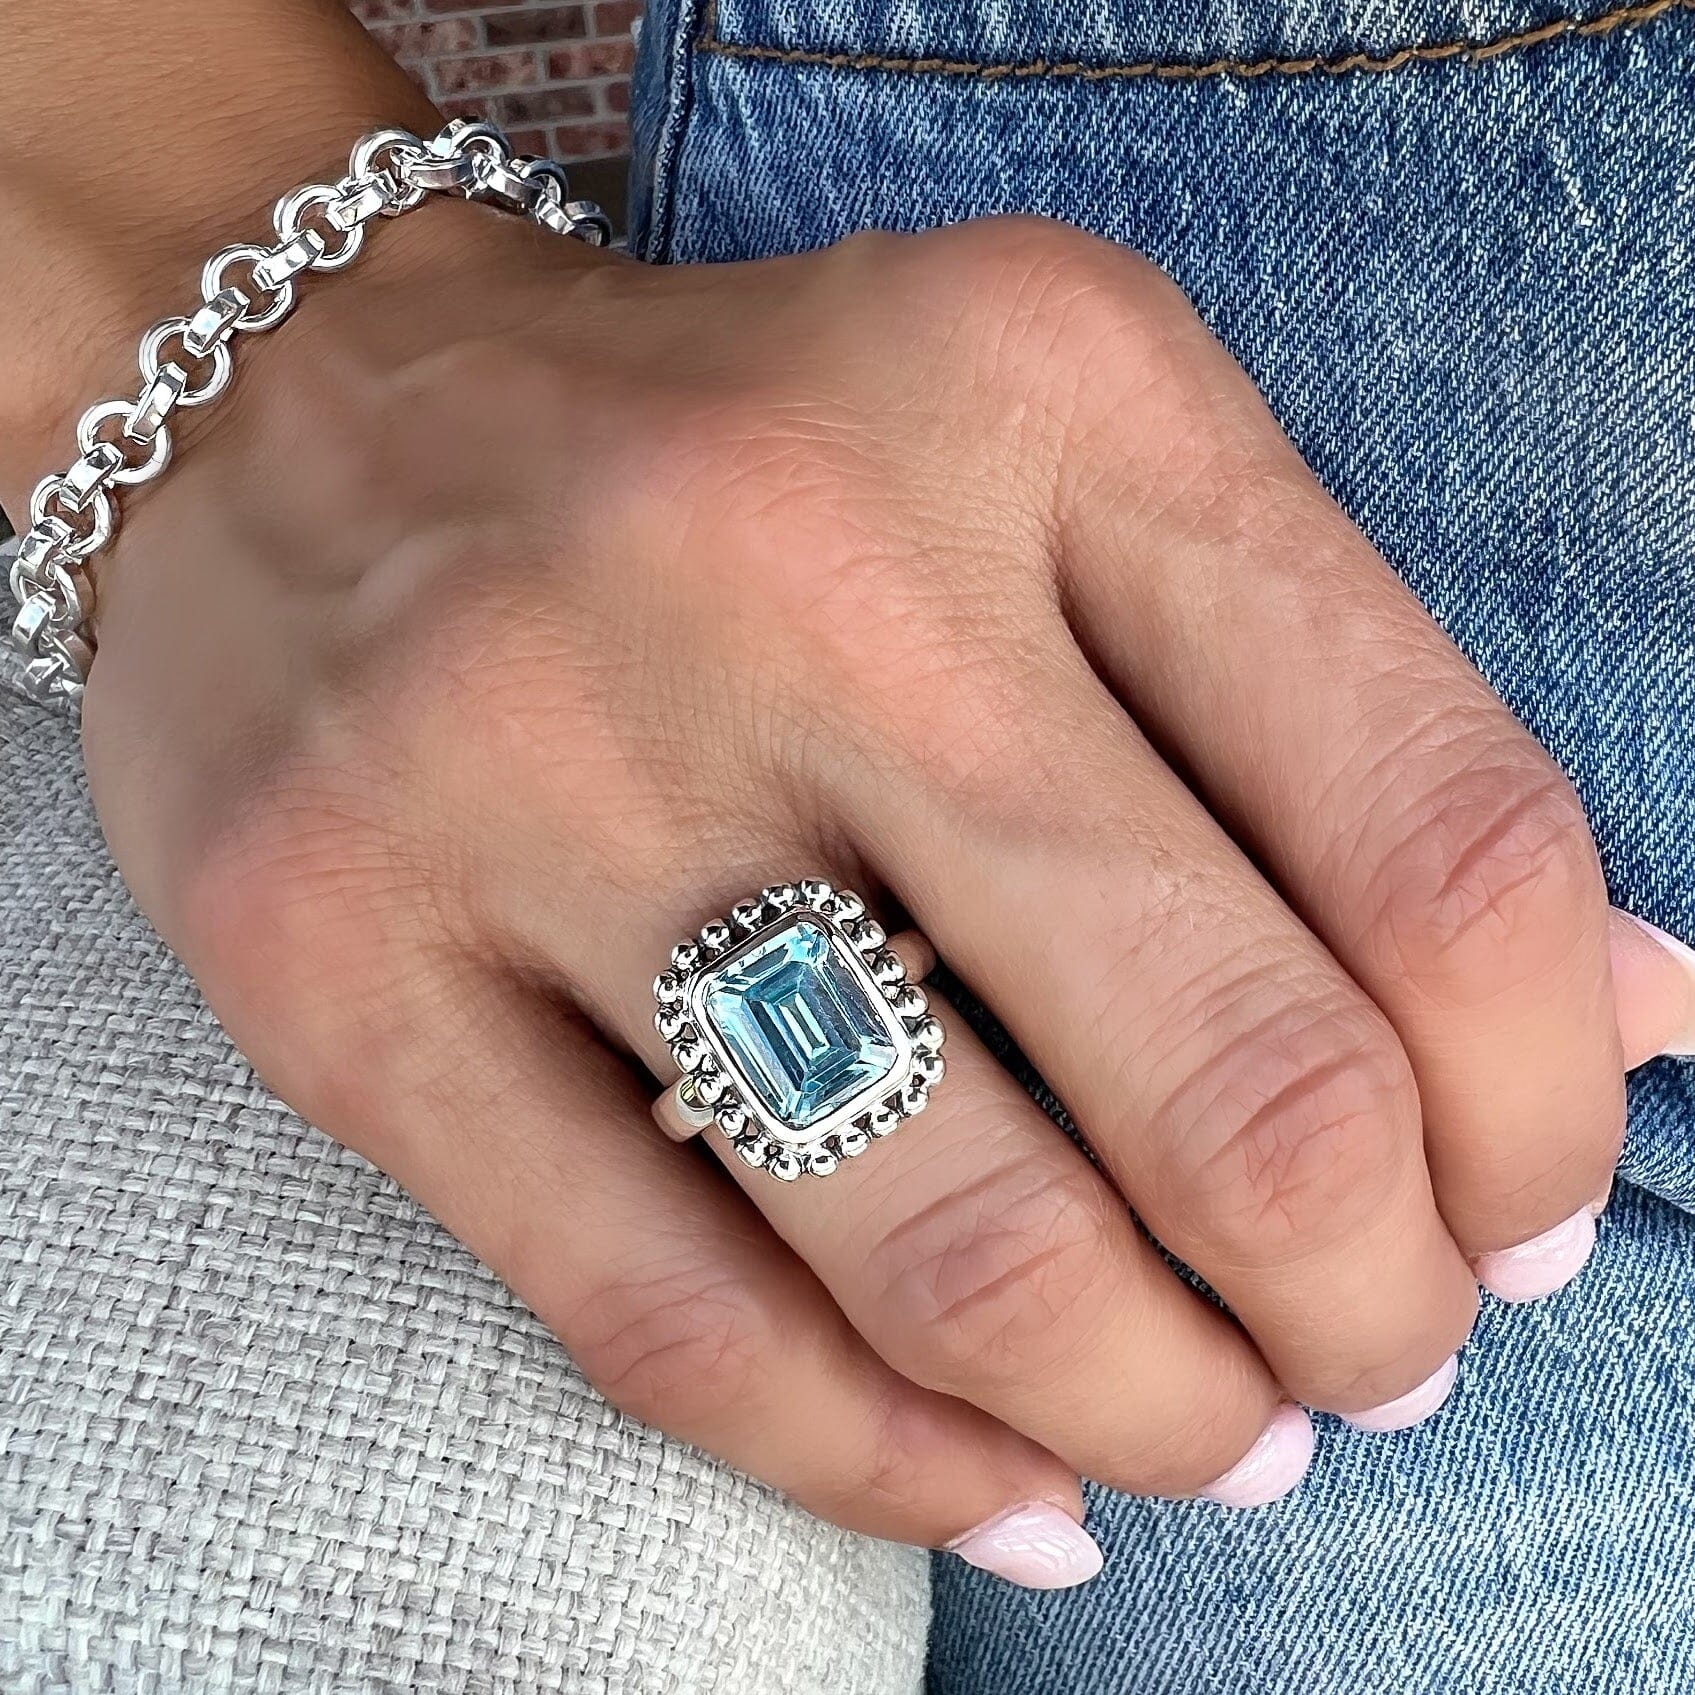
(714, 1082)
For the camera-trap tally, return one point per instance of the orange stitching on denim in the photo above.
(1177, 70)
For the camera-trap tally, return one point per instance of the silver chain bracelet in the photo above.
(188, 362)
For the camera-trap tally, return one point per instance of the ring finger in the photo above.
(982, 1255)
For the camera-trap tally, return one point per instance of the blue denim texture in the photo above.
(1466, 284)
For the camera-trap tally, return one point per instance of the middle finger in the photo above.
(1240, 1089)
(977, 1250)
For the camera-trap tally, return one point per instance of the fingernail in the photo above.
(1681, 1044)
(1035, 1545)
(1271, 1467)
(1413, 1407)
(1541, 1265)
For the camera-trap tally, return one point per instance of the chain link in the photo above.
(188, 361)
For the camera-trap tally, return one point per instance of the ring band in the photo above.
(799, 1029)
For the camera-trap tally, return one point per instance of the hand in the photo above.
(522, 609)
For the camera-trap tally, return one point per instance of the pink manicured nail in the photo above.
(1541, 1265)
(1271, 1467)
(1413, 1407)
(1682, 1044)
(1035, 1545)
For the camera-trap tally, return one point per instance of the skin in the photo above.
(523, 606)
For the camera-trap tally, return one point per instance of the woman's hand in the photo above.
(522, 609)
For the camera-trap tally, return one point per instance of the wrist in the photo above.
(102, 253)
(390, 172)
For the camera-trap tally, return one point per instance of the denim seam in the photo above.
(674, 129)
(1466, 49)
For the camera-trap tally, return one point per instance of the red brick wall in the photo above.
(555, 74)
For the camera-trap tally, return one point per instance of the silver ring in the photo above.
(799, 1029)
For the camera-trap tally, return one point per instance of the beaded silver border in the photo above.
(708, 1075)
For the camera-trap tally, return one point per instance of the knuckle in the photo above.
(1493, 875)
(305, 888)
(681, 1350)
(279, 883)
(996, 1278)
(1106, 356)
(908, 1447)
(1045, 300)
(1287, 1131)
(892, 1477)
(1027, 266)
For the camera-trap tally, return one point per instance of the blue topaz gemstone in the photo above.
(800, 1024)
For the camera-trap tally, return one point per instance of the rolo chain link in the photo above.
(188, 361)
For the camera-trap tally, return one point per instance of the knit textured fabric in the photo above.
(265, 1426)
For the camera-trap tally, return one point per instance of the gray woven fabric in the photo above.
(267, 1427)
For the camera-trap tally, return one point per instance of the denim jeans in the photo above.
(1466, 284)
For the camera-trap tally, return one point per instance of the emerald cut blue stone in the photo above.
(799, 1025)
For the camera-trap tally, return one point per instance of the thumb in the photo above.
(1653, 990)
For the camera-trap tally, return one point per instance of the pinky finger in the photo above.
(678, 1302)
